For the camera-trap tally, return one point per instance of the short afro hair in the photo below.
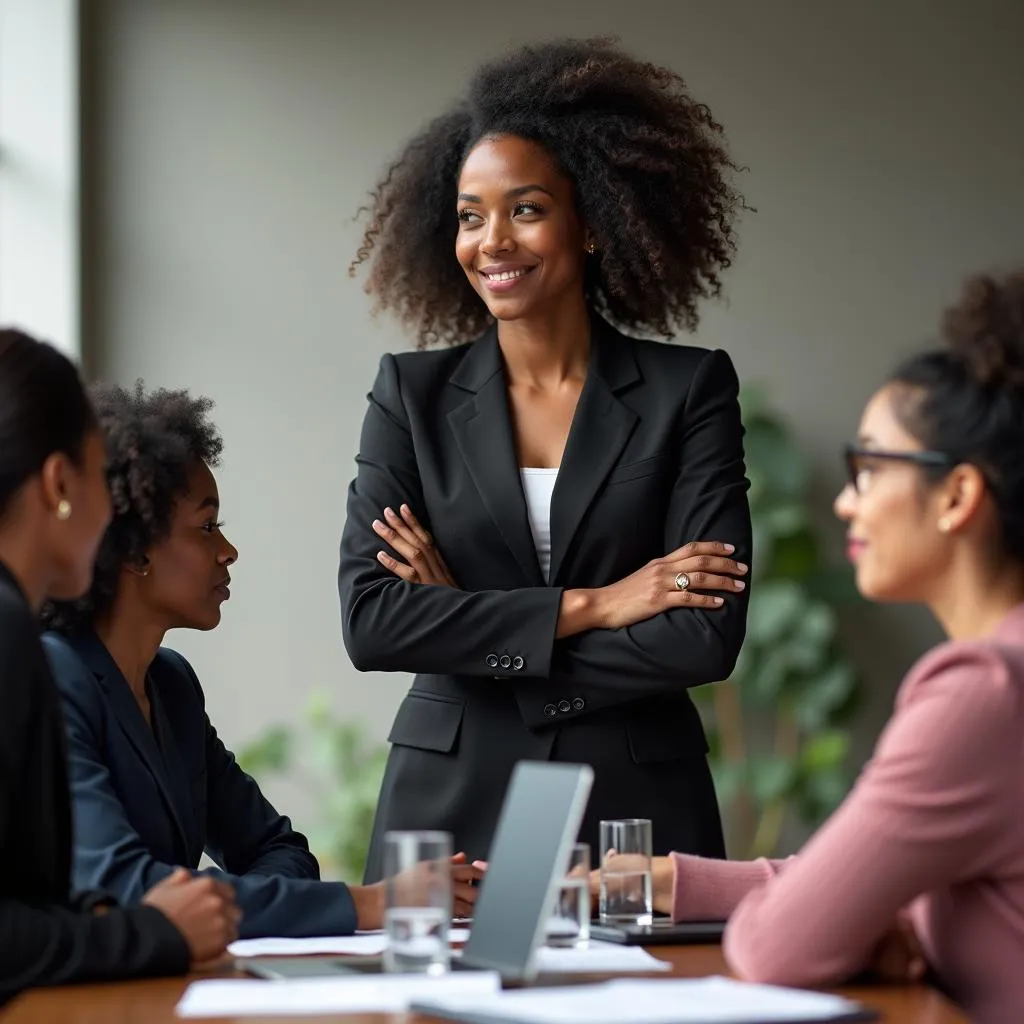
(154, 441)
(651, 173)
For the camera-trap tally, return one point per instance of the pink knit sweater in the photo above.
(935, 824)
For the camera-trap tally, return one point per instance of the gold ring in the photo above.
(682, 581)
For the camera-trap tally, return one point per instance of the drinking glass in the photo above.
(417, 901)
(569, 924)
(625, 894)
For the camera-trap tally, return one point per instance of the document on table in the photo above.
(361, 944)
(380, 993)
(597, 958)
(670, 1001)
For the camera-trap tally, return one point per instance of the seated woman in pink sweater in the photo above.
(932, 835)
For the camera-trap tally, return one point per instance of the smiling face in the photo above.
(187, 576)
(895, 517)
(520, 240)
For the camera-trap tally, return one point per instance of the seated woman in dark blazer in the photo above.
(54, 507)
(153, 785)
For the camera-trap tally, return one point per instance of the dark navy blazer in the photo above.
(147, 800)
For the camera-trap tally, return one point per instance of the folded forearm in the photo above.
(393, 626)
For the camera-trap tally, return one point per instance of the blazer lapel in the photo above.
(601, 426)
(483, 431)
(161, 712)
(132, 721)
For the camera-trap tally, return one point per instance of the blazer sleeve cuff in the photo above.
(88, 901)
(171, 954)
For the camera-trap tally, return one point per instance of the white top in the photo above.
(538, 486)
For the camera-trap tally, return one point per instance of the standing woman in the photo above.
(54, 507)
(586, 489)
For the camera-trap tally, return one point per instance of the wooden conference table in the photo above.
(153, 1002)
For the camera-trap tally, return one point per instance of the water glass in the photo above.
(625, 895)
(569, 924)
(417, 901)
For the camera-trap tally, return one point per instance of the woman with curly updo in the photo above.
(153, 787)
(923, 864)
(549, 525)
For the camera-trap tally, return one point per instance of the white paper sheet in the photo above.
(362, 944)
(671, 1001)
(598, 957)
(358, 994)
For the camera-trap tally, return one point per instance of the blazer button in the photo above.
(550, 710)
(492, 661)
(578, 704)
(518, 664)
(505, 661)
(563, 706)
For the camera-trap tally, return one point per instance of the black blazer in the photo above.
(147, 800)
(47, 935)
(654, 459)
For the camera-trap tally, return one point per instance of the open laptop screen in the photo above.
(539, 820)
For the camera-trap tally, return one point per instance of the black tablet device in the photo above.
(662, 932)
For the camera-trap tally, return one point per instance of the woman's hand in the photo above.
(202, 909)
(899, 957)
(423, 562)
(662, 873)
(699, 565)
(370, 900)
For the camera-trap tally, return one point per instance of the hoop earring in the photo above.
(63, 510)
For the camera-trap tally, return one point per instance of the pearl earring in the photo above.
(63, 510)
(944, 525)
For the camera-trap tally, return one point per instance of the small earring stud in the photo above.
(592, 248)
(63, 510)
(944, 525)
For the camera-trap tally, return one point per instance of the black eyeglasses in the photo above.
(854, 457)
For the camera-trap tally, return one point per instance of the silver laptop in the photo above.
(539, 820)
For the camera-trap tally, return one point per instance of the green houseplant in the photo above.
(338, 764)
(778, 727)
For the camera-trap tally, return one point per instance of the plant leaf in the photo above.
(771, 778)
(776, 605)
(270, 753)
(795, 555)
(824, 750)
(824, 694)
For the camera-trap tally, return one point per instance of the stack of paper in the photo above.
(363, 944)
(349, 994)
(682, 1001)
(597, 958)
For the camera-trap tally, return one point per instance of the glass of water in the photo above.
(625, 895)
(417, 901)
(569, 924)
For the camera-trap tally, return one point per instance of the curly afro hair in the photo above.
(153, 441)
(651, 173)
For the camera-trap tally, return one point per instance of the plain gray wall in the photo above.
(230, 141)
